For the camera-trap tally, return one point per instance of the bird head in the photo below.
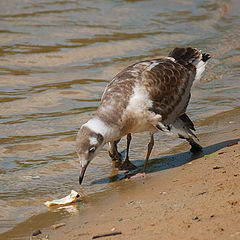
(88, 144)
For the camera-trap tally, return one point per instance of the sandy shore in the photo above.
(198, 200)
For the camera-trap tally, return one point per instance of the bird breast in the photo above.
(137, 117)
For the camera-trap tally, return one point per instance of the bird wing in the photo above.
(167, 81)
(116, 96)
(168, 84)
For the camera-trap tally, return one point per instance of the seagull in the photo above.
(148, 96)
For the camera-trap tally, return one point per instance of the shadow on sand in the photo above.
(166, 162)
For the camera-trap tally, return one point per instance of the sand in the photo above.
(198, 200)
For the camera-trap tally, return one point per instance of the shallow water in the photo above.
(56, 57)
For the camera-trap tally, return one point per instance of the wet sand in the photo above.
(56, 57)
(197, 200)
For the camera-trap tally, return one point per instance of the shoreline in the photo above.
(196, 200)
(118, 208)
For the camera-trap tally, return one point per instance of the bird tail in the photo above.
(186, 56)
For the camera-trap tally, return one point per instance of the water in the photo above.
(56, 57)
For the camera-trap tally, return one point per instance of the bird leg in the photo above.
(150, 147)
(113, 151)
(127, 165)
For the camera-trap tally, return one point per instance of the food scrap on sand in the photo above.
(72, 197)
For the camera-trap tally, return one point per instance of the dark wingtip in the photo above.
(205, 57)
(196, 148)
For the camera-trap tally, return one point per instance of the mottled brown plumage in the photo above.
(168, 85)
(149, 96)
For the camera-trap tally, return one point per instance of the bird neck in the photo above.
(109, 132)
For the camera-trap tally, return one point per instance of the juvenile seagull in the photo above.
(148, 96)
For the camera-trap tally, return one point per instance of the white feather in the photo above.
(99, 126)
(200, 68)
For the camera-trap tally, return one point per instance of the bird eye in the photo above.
(92, 149)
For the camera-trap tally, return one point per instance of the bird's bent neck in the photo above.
(97, 125)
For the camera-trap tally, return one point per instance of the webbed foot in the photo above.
(127, 165)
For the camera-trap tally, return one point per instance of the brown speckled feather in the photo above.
(121, 87)
(168, 84)
(166, 80)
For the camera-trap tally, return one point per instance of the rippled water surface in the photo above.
(56, 57)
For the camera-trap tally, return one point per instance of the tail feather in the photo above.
(205, 57)
(190, 57)
(186, 55)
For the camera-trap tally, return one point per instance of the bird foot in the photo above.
(127, 165)
(138, 175)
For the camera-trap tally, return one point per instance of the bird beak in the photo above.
(82, 172)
